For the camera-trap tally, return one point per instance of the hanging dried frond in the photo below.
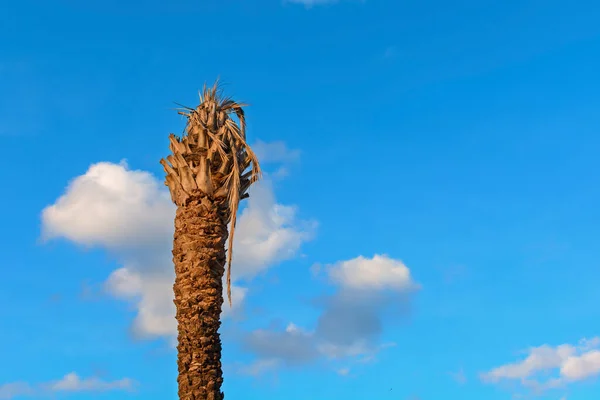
(212, 157)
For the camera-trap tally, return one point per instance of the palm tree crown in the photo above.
(212, 158)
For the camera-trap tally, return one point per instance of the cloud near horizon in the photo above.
(559, 366)
(71, 382)
(129, 213)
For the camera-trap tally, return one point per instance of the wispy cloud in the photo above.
(274, 152)
(69, 383)
(74, 383)
(16, 389)
(560, 366)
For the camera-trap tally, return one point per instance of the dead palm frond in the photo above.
(213, 157)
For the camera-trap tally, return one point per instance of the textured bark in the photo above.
(199, 258)
(206, 178)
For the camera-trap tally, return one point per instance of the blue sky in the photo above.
(427, 226)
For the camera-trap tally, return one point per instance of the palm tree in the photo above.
(207, 178)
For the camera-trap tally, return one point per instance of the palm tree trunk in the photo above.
(207, 179)
(199, 258)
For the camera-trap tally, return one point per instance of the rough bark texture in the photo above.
(199, 258)
(207, 178)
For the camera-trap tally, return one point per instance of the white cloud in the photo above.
(581, 367)
(73, 383)
(267, 233)
(543, 358)
(111, 206)
(152, 293)
(130, 214)
(69, 383)
(377, 273)
(350, 323)
(124, 283)
(564, 364)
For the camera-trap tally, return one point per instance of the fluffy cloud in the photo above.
(564, 364)
(69, 383)
(581, 367)
(267, 233)
(130, 214)
(377, 273)
(113, 207)
(351, 320)
(152, 293)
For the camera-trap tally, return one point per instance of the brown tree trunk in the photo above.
(199, 258)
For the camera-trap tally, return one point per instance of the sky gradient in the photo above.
(424, 229)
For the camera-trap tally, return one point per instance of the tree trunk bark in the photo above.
(199, 258)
